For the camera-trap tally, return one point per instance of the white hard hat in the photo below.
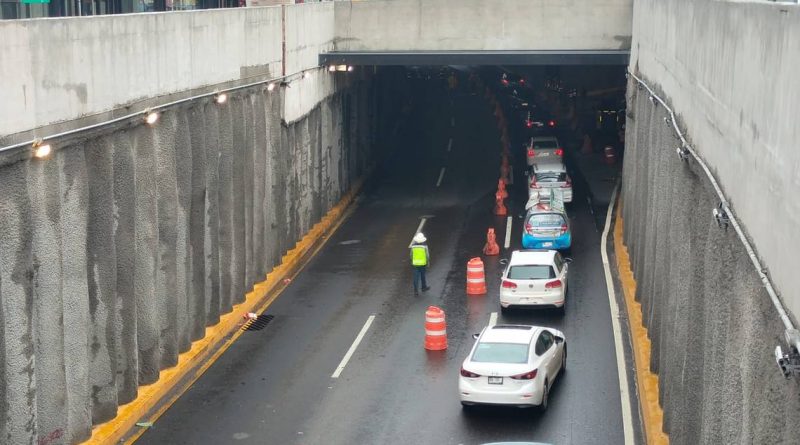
(419, 238)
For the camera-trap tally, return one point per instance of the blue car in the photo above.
(546, 228)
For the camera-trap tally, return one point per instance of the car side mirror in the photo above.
(559, 340)
(567, 260)
(475, 336)
(503, 261)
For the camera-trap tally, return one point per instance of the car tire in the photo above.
(545, 392)
(564, 359)
(466, 407)
(504, 310)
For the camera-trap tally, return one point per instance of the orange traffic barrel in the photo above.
(435, 329)
(476, 281)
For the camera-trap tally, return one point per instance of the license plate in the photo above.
(547, 244)
(495, 380)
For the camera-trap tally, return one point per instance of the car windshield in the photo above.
(501, 353)
(545, 143)
(551, 177)
(546, 220)
(531, 272)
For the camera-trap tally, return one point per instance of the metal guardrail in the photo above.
(724, 214)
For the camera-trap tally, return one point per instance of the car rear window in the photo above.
(501, 353)
(546, 220)
(531, 272)
(546, 143)
(551, 177)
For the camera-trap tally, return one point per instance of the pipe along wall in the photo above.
(712, 325)
(119, 250)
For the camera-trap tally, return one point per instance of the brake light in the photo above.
(469, 374)
(522, 81)
(528, 124)
(535, 185)
(509, 284)
(526, 376)
(567, 183)
(528, 228)
(559, 151)
(531, 153)
(551, 123)
(564, 229)
(505, 82)
(553, 284)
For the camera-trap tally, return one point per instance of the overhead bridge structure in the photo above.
(476, 32)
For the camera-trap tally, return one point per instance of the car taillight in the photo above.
(526, 376)
(531, 153)
(535, 185)
(528, 228)
(559, 152)
(551, 123)
(469, 374)
(564, 229)
(509, 284)
(522, 81)
(529, 124)
(553, 284)
(505, 82)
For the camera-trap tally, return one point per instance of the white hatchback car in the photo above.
(534, 278)
(512, 365)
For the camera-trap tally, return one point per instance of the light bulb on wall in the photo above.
(221, 98)
(151, 117)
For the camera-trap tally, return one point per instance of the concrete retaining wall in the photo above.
(118, 250)
(713, 327)
(729, 70)
(442, 25)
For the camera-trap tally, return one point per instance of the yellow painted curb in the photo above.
(646, 380)
(154, 399)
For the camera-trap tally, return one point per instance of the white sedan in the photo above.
(534, 278)
(512, 365)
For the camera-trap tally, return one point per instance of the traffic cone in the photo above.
(491, 247)
(501, 188)
(476, 281)
(499, 207)
(435, 329)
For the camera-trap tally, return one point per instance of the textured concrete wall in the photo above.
(712, 325)
(730, 71)
(119, 250)
(438, 25)
(60, 69)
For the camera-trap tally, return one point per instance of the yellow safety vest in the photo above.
(419, 255)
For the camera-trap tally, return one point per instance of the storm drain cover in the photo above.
(257, 323)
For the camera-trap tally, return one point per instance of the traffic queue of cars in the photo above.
(517, 365)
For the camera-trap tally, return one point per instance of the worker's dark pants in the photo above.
(419, 274)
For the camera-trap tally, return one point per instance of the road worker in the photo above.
(420, 258)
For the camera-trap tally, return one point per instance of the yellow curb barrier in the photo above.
(646, 380)
(154, 399)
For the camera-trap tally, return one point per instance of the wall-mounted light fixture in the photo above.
(150, 117)
(220, 98)
(41, 149)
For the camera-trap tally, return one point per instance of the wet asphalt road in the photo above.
(274, 386)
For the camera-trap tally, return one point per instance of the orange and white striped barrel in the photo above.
(435, 329)
(476, 281)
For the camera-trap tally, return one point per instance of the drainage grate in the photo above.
(257, 324)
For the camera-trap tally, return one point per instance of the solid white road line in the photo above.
(493, 319)
(450, 144)
(419, 229)
(353, 347)
(441, 175)
(509, 222)
(624, 395)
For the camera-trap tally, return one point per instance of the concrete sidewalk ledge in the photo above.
(153, 400)
(646, 381)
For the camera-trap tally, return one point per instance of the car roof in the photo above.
(533, 256)
(507, 333)
(544, 207)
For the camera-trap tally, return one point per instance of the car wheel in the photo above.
(466, 406)
(504, 310)
(545, 391)
(564, 359)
